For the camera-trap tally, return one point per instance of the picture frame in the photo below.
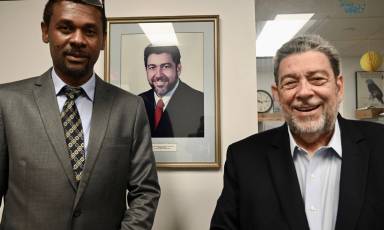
(196, 38)
(369, 89)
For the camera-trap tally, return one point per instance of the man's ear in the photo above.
(104, 41)
(275, 92)
(340, 87)
(44, 32)
(178, 69)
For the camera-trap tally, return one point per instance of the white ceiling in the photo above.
(352, 34)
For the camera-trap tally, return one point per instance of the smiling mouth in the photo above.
(160, 86)
(307, 108)
(76, 56)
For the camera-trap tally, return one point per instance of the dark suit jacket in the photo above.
(183, 116)
(36, 177)
(261, 189)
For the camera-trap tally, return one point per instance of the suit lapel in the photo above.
(102, 105)
(177, 99)
(46, 101)
(354, 169)
(286, 182)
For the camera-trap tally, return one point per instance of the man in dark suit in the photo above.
(75, 152)
(318, 171)
(174, 109)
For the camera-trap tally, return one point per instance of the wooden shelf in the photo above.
(269, 117)
(368, 113)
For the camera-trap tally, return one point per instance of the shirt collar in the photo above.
(334, 143)
(88, 87)
(167, 96)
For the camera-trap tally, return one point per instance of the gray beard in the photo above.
(309, 126)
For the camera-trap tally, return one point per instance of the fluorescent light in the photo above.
(160, 34)
(278, 31)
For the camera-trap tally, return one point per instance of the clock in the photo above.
(264, 101)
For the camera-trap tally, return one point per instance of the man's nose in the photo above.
(304, 89)
(78, 39)
(158, 72)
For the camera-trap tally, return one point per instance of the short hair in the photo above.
(306, 43)
(172, 50)
(48, 11)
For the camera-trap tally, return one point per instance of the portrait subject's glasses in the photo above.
(98, 3)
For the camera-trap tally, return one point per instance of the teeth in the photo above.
(306, 109)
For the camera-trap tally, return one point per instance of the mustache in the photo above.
(160, 78)
(306, 103)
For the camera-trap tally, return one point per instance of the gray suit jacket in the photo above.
(36, 178)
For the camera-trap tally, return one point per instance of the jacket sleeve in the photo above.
(226, 216)
(142, 184)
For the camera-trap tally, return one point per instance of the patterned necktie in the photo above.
(73, 130)
(158, 112)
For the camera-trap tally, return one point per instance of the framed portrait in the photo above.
(369, 89)
(172, 64)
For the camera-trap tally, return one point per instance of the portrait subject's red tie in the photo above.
(158, 112)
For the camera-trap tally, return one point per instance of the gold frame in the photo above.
(110, 58)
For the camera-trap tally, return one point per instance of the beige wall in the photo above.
(188, 196)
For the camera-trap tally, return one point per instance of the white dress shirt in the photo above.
(319, 179)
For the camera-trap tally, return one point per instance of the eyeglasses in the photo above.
(98, 3)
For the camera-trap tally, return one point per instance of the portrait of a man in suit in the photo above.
(174, 108)
(317, 171)
(75, 151)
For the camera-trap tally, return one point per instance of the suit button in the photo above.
(77, 213)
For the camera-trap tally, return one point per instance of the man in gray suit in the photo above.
(75, 152)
